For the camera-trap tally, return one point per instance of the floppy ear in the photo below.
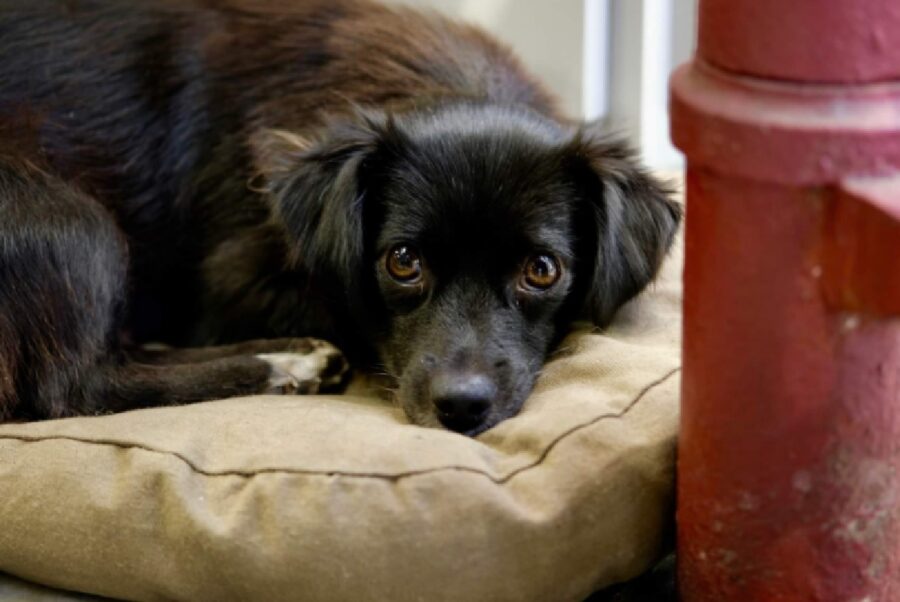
(319, 189)
(632, 218)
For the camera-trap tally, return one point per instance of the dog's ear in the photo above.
(319, 188)
(631, 217)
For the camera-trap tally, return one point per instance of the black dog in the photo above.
(231, 173)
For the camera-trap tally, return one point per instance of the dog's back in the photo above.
(148, 106)
(133, 97)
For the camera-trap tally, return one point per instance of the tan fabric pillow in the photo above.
(337, 498)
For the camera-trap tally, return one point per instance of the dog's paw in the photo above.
(320, 368)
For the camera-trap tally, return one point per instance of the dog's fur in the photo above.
(202, 174)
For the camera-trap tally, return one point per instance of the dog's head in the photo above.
(467, 238)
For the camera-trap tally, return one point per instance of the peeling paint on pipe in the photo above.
(789, 457)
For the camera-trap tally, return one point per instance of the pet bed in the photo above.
(338, 498)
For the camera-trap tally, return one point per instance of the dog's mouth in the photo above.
(420, 414)
(464, 402)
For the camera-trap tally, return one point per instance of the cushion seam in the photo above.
(500, 480)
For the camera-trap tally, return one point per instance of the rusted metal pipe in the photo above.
(789, 457)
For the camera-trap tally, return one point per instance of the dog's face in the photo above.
(467, 238)
(475, 258)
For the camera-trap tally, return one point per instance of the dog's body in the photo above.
(207, 174)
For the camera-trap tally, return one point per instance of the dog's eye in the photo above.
(541, 272)
(404, 265)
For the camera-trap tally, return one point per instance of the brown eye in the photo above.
(541, 272)
(404, 264)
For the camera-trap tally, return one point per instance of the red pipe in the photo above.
(824, 41)
(789, 456)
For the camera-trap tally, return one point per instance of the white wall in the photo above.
(603, 58)
(648, 39)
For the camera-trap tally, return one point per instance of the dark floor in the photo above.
(656, 586)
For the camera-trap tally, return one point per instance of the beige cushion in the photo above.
(338, 498)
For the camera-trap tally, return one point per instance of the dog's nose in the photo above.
(463, 401)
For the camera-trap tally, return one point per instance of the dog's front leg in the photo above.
(179, 376)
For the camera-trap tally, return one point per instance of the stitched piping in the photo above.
(364, 475)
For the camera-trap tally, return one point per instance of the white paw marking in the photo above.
(301, 372)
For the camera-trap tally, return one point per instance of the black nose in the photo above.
(463, 401)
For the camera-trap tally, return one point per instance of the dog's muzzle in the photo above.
(463, 399)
